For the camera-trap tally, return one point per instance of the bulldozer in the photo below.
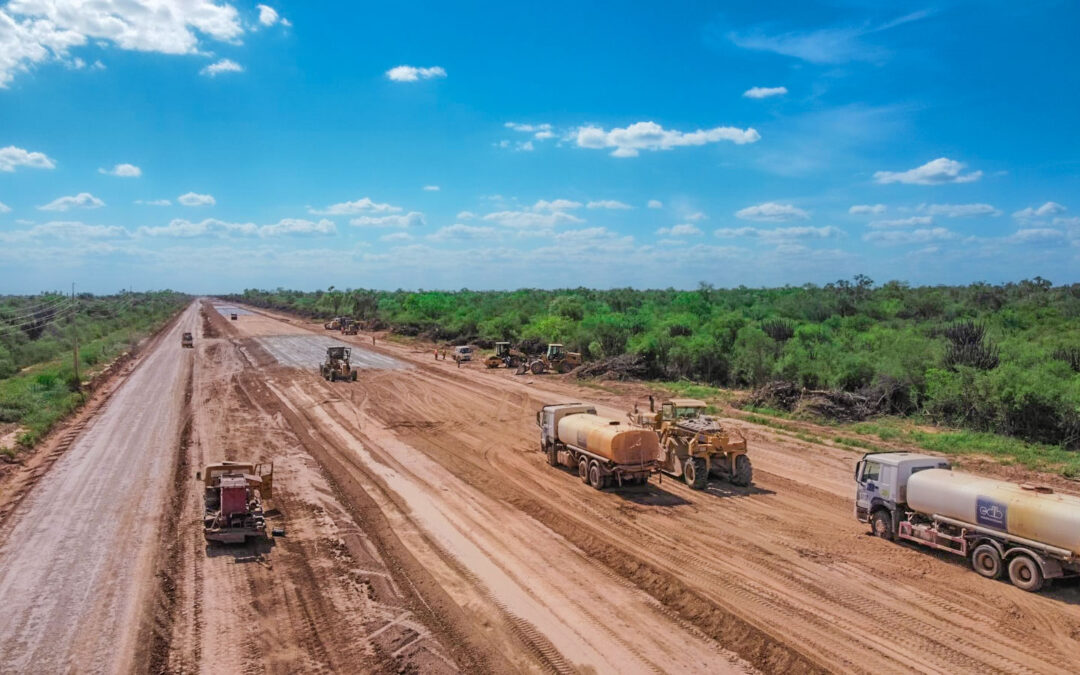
(337, 366)
(333, 324)
(350, 327)
(557, 359)
(234, 494)
(695, 445)
(505, 355)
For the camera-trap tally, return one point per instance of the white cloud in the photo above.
(696, 216)
(772, 212)
(268, 16)
(123, 171)
(960, 210)
(293, 226)
(364, 205)
(1035, 235)
(607, 204)
(920, 236)
(410, 219)
(556, 205)
(1045, 211)
(764, 92)
(67, 230)
(683, 230)
(222, 66)
(913, 221)
(629, 141)
(539, 131)
(412, 73)
(935, 172)
(781, 233)
(4, 208)
(37, 31)
(655, 204)
(459, 232)
(195, 199)
(83, 200)
(431, 188)
(153, 202)
(12, 157)
(396, 236)
(466, 215)
(867, 209)
(531, 219)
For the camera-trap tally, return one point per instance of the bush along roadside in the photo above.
(37, 379)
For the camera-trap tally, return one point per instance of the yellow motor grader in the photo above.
(556, 358)
(336, 366)
(694, 444)
(505, 355)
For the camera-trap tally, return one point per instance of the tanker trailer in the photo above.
(604, 451)
(1027, 531)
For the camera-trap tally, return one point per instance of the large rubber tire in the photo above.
(583, 471)
(986, 561)
(744, 472)
(537, 367)
(564, 367)
(552, 455)
(353, 376)
(881, 524)
(695, 474)
(595, 478)
(1025, 574)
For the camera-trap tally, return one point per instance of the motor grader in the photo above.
(234, 494)
(350, 327)
(696, 445)
(505, 355)
(333, 324)
(336, 366)
(556, 358)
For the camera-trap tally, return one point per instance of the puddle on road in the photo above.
(308, 351)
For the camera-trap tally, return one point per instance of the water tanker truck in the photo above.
(604, 451)
(1028, 532)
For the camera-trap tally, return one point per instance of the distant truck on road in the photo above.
(1026, 531)
(604, 451)
(187, 340)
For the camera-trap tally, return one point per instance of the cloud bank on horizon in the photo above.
(753, 147)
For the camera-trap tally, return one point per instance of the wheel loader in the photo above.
(234, 494)
(505, 355)
(350, 327)
(557, 359)
(696, 445)
(336, 366)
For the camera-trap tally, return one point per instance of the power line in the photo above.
(41, 308)
(66, 311)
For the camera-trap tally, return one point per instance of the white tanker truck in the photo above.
(1027, 530)
(604, 451)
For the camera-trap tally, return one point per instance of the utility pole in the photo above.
(75, 340)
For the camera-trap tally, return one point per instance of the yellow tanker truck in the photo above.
(1028, 531)
(604, 451)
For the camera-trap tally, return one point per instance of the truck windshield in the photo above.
(872, 471)
(687, 412)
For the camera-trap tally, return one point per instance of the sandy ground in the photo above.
(426, 533)
(77, 556)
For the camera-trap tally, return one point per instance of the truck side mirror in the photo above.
(198, 475)
(858, 469)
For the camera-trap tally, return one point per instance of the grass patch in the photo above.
(703, 392)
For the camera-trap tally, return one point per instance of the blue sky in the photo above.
(212, 146)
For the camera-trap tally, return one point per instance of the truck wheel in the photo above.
(552, 456)
(881, 522)
(354, 373)
(986, 560)
(583, 470)
(595, 479)
(1025, 574)
(537, 367)
(695, 474)
(744, 472)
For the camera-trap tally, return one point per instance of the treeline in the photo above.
(1002, 358)
(37, 335)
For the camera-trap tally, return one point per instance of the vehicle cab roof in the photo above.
(686, 403)
(898, 458)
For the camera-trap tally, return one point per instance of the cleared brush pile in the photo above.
(840, 406)
(624, 367)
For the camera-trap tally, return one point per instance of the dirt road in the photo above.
(426, 533)
(77, 557)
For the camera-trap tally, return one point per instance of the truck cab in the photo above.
(463, 353)
(881, 482)
(547, 418)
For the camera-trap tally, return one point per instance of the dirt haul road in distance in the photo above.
(780, 574)
(77, 557)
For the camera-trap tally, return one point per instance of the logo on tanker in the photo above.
(991, 513)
